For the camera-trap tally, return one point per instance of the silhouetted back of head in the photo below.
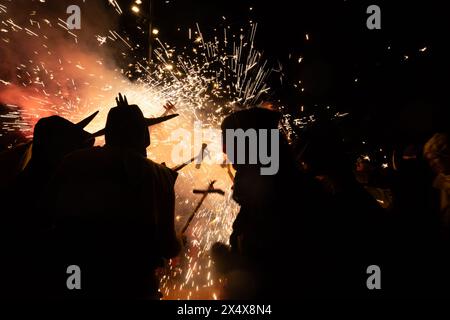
(254, 119)
(323, 151)
(126, 128)
(55, 137)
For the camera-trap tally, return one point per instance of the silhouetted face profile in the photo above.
(127, 128)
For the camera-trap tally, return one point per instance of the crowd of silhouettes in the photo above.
(310, 230)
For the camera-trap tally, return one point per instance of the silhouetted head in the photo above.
(252, 118)
(322, 152)
(55, 137)
(256, 119)
(127, 128)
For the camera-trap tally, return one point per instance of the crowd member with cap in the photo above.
(114, 212)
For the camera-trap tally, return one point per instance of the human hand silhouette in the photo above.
(121, 100)
(169, 106)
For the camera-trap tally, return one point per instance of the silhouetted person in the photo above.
(24, 224)
(269, 232)
(352, 224)
(54, 138)
(437, 153)
(114, 213)
(416, 239)
(12, 163)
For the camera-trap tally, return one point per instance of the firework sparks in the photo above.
(205, 81)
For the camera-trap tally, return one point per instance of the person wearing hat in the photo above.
(25, 223)
(54, 137)
(114, 212)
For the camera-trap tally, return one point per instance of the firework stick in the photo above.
(169, 107)
(228, 167)
(199, 156)
(230, 174)
(210, 187)
(218, 191)
(199, 204)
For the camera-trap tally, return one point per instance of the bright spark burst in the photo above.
(135, 9)
(206, 81)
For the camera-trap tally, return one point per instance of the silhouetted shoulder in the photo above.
(100, 180)
(161, 171)
(99, 160)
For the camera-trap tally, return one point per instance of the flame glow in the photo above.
(48, 69)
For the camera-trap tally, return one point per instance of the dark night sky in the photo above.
(393, 96)
(395, 100)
